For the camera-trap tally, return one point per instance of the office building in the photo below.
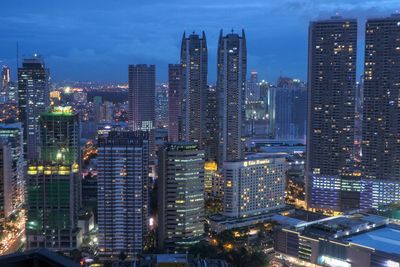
(253, 87)
(106, 112)
(211, 179)
(290, 109)
(349, 240)
(97, 102)
(194, 63)
(12, 134)
(4, 83)
(331, 106)
(212, 130)
(180, 196)
(253, 186)
(381, 111)
(122, 196)
(6, 177)
(53, 184)
(13, 92)
(231, 88)
(141, 108)
(267, 95)
(33, 99)
(256, 118)
(175, 87)
(161, 106)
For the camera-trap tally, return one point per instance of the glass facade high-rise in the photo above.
(122, 199)
(53, 183)
(141, 110)
(33, 99)
(180, 196)
(290, 98)
(12, 133)
(231, 89)
(194, 80)
(331, 108)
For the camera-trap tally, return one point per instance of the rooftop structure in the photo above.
(346, 240)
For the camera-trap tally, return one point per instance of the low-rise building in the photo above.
(345, 240)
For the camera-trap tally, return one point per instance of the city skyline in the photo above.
(102, 41)
(241, 150)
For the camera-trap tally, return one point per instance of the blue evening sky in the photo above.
(96, 39)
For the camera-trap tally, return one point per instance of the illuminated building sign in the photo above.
(62, 110)
(256, 162)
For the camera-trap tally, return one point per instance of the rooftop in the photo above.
(386, 239)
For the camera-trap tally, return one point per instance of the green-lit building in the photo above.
(53, 184)
(181, 216)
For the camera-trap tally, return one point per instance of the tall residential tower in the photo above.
(123, 162)
(331, 109)
(231, 88)
(142, 89)
(381, 106)
(194, 80)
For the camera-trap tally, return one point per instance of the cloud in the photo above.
(96, 37)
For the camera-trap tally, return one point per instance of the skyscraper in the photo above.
(180, 196)
(175, 87)
(123, 158)
(97, 102)
(231, 82)
(290, 109)
(253, 87)
(161, 106)
(12, 134)
(33, 99)
(331, 108)
(53, 183)
(4, 83)
(141, 110)
(381, 111)
(194, 79)
(211, 133)
(6, 190)
(267, 94)
(5, 76)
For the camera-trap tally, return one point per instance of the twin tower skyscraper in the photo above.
(211, 117)
(339, 177)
